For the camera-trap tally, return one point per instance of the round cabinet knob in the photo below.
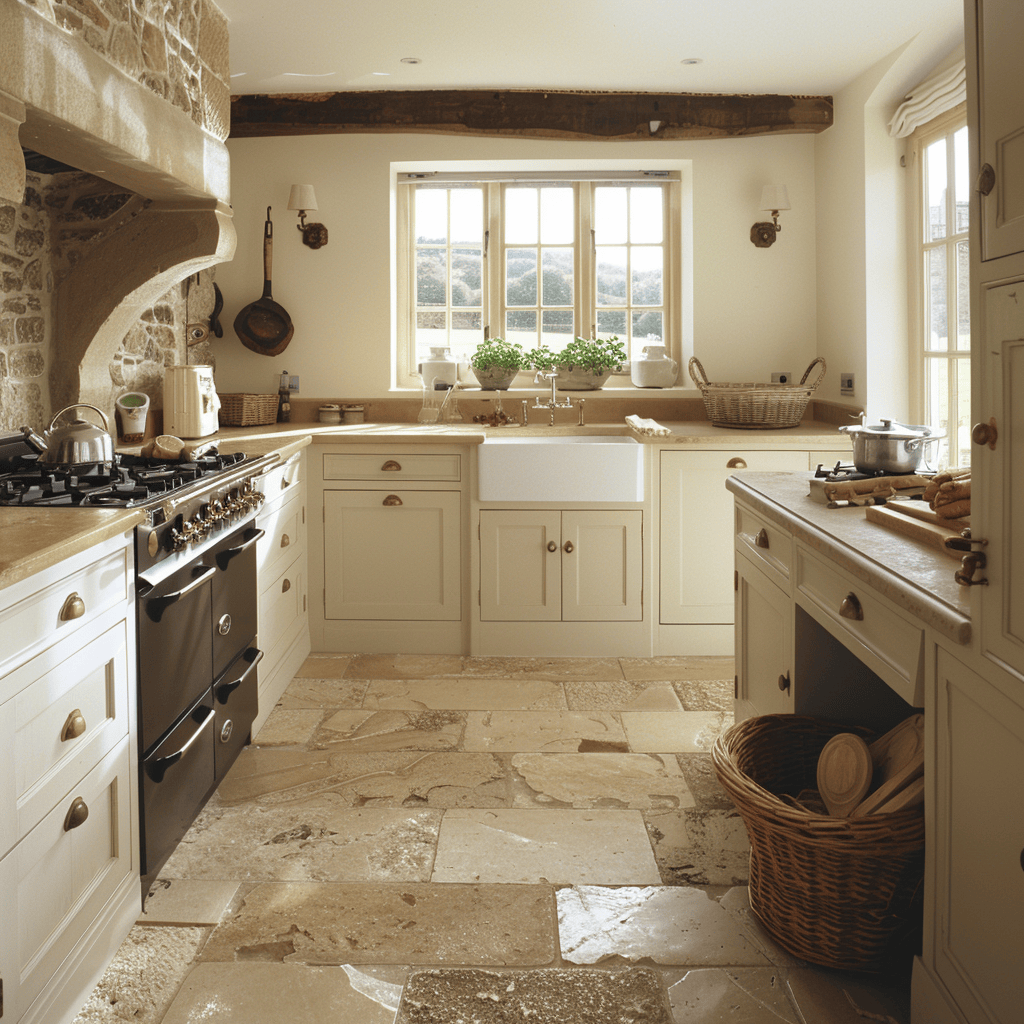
(552, 546)
(784, 682)
(73, 727)
(985, 433)
(285, 540)
(77, 813)
(736, 463)
(286, 586)
(73, 608)
(568, 548)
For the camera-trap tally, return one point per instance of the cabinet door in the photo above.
(697, 530)
(980, 836)
(998, 30)
(764, 646)
(520, 566)
(392, 555)
(602, 566)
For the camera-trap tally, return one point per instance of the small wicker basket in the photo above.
(247, 410)
(755, 406)
(840, 892)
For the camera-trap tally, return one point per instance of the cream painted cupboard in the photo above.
(549, 565)
(69, 869)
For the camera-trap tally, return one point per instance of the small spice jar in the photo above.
(354, 413)
(330, 413)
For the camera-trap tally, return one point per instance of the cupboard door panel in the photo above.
(520, 578)
(602, 572)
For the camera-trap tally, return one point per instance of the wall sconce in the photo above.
(773, 199)
(303, 198)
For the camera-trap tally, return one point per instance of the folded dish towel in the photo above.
(648, 427)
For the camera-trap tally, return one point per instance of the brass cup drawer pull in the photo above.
(552, 546)
(73, 727)
(392, 499)
(391, 467)
(286, 586)
(285, 540)
(77, 813)
(73, 608)
(736, 463)
(850, 608)
(761, 540)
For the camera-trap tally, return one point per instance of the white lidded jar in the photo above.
(654, 369)
(439, 367)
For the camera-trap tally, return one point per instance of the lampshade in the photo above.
(773, 197)
(304, 198)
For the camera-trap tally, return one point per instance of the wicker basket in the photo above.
(755, 406)
(247, 410)
(840, 892)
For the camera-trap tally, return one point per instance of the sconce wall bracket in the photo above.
(313, 235)
(763, 234)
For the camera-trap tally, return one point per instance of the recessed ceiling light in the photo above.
(411, 60)
(692, 60)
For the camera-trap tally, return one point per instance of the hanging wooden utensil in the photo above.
(265, 326)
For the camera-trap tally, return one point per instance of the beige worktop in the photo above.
(912, 575)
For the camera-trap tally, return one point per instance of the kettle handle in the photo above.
(81, 405)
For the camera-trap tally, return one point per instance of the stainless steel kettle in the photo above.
(77, 443)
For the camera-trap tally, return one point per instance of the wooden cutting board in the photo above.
(844, 773)
(928, 533)
(919, 510)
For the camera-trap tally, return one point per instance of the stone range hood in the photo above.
(64, 95)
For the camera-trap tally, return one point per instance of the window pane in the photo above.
(521, 327)
(963, 181)
(556, 219)
(521, 277)
(556, 265)
(963, 297)
(556, 328)
(935, 338)
(935, 189)
(467, 333)
(431, 332)
(937, 405)
(645, 215)
(521, 216)
(647, 266)
(467, 277)
(647, 328)
(611, 322)
(610, 216)
(962, 450)
(467, 225)
(431, 215)
(611, 275)
(431, 277)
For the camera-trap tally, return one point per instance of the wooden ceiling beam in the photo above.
(535, 115)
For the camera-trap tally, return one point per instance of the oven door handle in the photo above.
(156, 606)
(225, 690)
(157, 768)
(225, 556)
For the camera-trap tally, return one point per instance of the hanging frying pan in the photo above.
(263, 325)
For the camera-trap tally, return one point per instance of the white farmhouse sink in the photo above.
(560, 469)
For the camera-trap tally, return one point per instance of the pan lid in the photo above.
(889, 430)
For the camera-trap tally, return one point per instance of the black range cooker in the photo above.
(196, 602)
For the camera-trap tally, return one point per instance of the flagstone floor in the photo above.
(432, 840)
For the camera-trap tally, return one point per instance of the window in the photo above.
(943, 267)
(537, 260)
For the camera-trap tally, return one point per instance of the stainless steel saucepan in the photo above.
(889, 447)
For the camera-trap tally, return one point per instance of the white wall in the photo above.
(754, 309)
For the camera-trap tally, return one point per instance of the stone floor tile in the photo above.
(315, 841)
(736, 995)
(699, 772)
(143, 977)
(391, 730)
(543, 668)
(485, 925)
(261, 993)
(553, 996)
(706, 694)
(554, 846)
(840, 997)
(187, 901)
(678, 667)
(403, 666)
(737, 903)
(324, 666)
(288, 727)
(683, 731)
(666, 925)
(465, 694)
(640, 781)
(323, 693)
(697, 847)
(552, 731)
(621, 695)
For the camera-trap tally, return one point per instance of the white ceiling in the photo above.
(802, 47)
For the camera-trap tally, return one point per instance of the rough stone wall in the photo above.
(176, 48)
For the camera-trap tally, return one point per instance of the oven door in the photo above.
(236, 702)
(175, 648)
(234, 595)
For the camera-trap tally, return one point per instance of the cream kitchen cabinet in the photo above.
(561, 566)
(69, 868)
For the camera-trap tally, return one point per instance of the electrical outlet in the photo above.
(293, 384)
(782, 377)
(846, 384)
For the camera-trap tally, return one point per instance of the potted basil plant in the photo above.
(584, 364)
(496, 362)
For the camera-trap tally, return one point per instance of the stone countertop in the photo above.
(907, 572)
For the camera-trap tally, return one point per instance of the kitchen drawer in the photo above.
(396, 467)
(87, 689)
(281, 603)
(285, 477)
(873, 629)
(284, 538)
(55, 882)
(768, 546)
(62, 608)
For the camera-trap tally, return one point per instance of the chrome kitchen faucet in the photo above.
(552, 403)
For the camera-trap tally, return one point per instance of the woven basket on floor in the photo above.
(247, 410)
(755, 406)
(840, 892)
